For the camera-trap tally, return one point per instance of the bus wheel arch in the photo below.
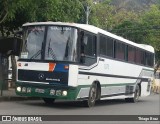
(139, 84)
(137, 93)
(136, 96)
(98, 90)
(94, 94)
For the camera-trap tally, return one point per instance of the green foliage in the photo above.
(141, 26)
(130, 30)
(8, 8)
(54, 10)
(135, 25)
(107, 16)
(16, 12)
(101, 15)
(145, 30)
(151, 19)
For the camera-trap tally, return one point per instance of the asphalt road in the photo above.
(146, 106)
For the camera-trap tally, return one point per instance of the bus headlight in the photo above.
(58, 92)
(19, 89)
(28, 90)
(23, 89)
(52, 92)
(64, 93)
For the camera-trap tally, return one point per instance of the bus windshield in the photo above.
(58, 43)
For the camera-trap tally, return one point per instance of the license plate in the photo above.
(39, 90)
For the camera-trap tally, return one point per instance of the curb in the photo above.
(17, 98)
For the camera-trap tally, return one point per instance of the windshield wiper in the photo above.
(36, 54)
(52, 53)
(50, 50)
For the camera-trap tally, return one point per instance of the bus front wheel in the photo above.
(92, 95)
(48, 101)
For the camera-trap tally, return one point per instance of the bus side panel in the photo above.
(115, 77)
(145, 88)
(73, 75)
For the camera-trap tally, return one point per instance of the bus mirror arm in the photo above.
(82, 58)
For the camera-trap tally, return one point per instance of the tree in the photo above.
(107, 16)
(102, 15)
(131, 30)
(144, 30)
(151, 20)
(8, 10)
(13, 13)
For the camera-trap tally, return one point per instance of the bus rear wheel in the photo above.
(92, 95)
(136, 95)
(48, 101)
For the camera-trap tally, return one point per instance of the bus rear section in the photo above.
(47, 80)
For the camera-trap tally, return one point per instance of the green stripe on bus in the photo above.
(72, 92)
(147, 70)
(107, 85)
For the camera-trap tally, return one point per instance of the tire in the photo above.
(136, 95)
(92, 95)
(48, 101)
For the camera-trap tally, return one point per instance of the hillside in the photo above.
(133, 5)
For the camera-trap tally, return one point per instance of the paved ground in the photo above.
(9, 92)
(146, 106)
(10, 95)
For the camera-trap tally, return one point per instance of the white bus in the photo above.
(81, 62)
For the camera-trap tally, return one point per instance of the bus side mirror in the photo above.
(17, 43)
(16, 46)
(82, 58)
(85, 40)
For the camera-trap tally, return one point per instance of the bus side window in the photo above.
(88, 48)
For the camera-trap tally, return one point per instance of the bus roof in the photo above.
(94, 30)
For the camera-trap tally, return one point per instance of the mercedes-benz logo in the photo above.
(41, 76)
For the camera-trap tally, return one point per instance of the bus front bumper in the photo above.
(46, 91)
